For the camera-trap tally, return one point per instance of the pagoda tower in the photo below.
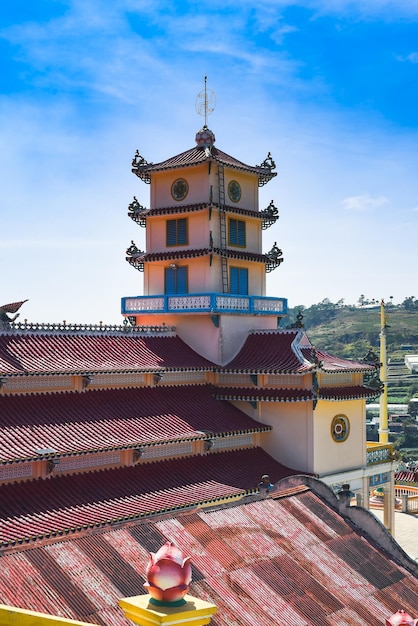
(204, 269)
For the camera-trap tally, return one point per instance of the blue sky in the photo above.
(330, 87)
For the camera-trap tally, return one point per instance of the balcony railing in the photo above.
(379, 453)
(205, 303)
(409, 497)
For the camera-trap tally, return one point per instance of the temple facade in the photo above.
(202, 412)
(204, 273)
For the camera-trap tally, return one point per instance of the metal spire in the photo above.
(205, 102)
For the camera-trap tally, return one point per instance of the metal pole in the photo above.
(383, 416)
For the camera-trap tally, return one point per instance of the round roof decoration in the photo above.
(205, 138)
(340, 428)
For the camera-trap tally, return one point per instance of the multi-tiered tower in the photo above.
(205, 274)
(204, 269)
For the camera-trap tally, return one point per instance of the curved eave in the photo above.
(97, 450)
(284, 371)
(72, 504)
(190, 208)
(112, 521)
(198, 156)
(346, 393)
(264, 395)
(100, 372)
(330, 364)
(138, 260)
(353, 369)
(262, 428)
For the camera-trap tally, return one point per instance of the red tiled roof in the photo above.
(407, 476)
(34, 508)
(278, 351)
(346, 393)
(43, 353)
(256, 394)
(292, 560)
(98, 420)
(273, 351)
(197, 156)
(330, 363)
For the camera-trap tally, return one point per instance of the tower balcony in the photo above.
(215, 303)
(379, 453)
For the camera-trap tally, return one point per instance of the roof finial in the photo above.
(205, 102)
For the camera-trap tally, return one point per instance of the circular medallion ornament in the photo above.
(340, 428)
(179, 189)
(234, 191)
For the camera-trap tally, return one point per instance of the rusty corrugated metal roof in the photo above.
(287, 560)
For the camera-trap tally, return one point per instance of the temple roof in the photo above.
(197, 156)
(114, 419)
(330, 363)
(292, 559)
(274, 351)
(68, 504)
(280, 351)
(257, 394)
(72, 353)
(354, 392)
(406, 476)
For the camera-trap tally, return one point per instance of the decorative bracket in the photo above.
(135, 257)
(270, 215)
(274, 258)
(137, 212)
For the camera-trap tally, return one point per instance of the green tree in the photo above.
(410, 304)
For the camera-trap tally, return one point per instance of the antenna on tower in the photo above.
(205, 102)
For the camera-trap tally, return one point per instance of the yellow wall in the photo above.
(199, 229)
(329, 455)
(249, 189)
(291, 441)
(203, 277)
(200, 183)
(301, 438)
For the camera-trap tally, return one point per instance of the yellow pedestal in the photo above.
(194, 612)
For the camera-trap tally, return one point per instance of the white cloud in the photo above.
(363, 202)
(413, 57)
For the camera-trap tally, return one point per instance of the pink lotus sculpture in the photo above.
(168, 576)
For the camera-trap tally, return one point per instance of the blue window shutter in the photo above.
(238, 280)
(182, 231)
(170, 280)
(176, 280)
(243, 282)
(171, 233)
(176, 232)
(181, 280)
(237, 233)
(241, 233)
(234, 280)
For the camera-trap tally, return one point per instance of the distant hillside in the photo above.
(350, 331)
